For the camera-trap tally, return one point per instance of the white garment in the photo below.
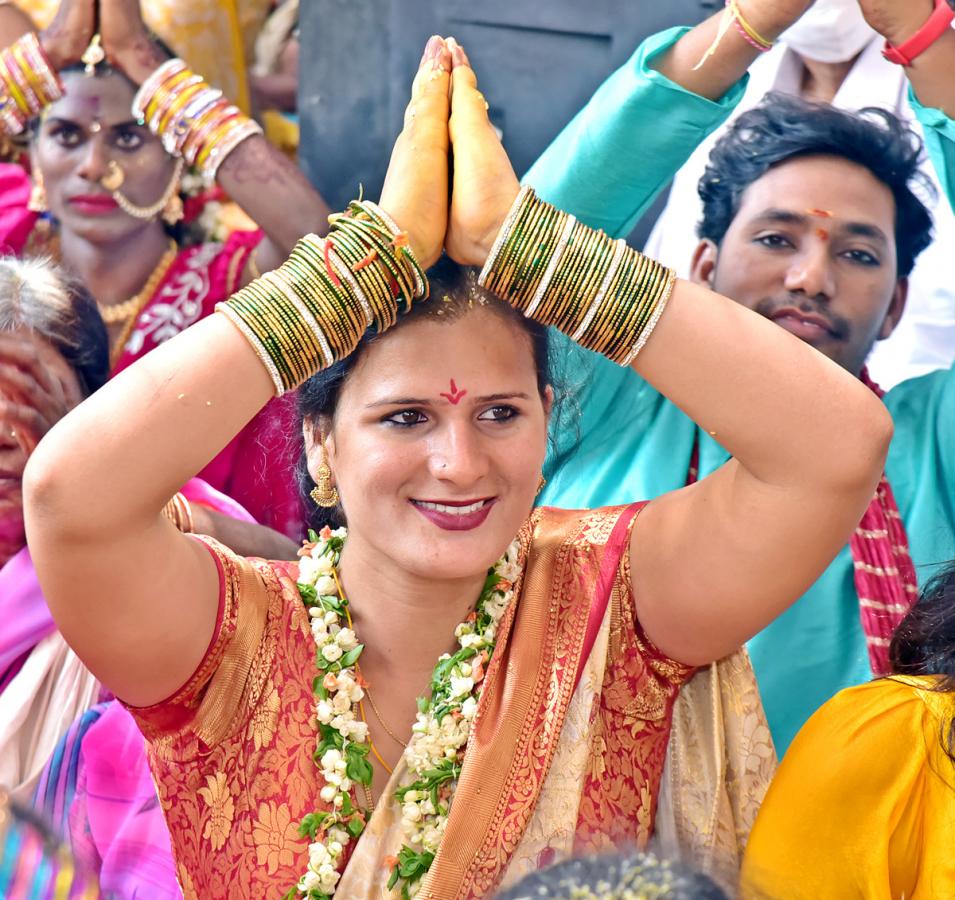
(830, 31)
(37, 708)
(925, 338)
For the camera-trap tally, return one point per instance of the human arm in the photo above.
(715, 562)
(262, 180)
(930, 73)
(613, 158)
(932, 87)
(243, 538)
(35, 394)
(278, 89)
(14, 23)
(95, 488)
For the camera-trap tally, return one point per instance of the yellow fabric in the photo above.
(215, 37)
(863, 804)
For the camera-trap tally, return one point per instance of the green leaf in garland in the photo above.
(308, 592)
(309, 825)
(355, 826)
(360, 770)
(351, 657)
(393, 880)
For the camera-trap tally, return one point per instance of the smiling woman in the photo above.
(506, 654)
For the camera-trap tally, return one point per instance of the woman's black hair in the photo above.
(783, 128)
(924, 642)
(618, 876)
(454, 291)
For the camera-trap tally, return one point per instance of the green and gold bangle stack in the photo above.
(557, 271)
(313, 310)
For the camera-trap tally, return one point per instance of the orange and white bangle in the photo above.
(28, 83)
(193, 120)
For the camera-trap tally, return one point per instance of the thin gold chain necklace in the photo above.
(114, 313)
(384, 724)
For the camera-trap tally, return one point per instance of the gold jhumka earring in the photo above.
(325, 494)
(37, 201)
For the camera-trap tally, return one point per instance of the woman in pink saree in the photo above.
(100, 201)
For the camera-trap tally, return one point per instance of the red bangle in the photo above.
(937, 24)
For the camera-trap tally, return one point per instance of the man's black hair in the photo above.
(784, 128)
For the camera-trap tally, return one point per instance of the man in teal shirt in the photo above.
(819, 243)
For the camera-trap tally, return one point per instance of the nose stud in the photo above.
(114, 177)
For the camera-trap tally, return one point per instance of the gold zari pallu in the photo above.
(313, 310)
(559, 272)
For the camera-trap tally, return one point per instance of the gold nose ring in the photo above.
(114, 177)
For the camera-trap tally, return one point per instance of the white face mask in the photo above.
(830, 31)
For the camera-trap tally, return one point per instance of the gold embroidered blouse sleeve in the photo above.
(220, 695)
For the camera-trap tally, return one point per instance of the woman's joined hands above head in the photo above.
(447, 116)
(484, 185)
(69, 34)
(415, 191)
(126, 40)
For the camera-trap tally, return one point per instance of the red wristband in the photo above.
(937, 24)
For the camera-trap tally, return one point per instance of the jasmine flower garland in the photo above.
(439, 735)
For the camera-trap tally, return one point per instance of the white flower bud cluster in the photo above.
(434, 742)
(323, 861)
(333, 641)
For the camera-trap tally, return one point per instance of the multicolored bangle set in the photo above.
(193, 120)
(28, 83)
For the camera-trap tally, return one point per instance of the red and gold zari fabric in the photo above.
(567, 752)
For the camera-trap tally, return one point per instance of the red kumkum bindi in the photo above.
(454, 396)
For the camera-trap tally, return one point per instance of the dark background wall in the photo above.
(537, 63)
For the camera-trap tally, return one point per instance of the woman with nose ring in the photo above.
(107, 169)
(449, 688)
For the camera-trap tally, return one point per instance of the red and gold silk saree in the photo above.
(566, 756)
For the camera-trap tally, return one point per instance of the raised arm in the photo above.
(713, 563)
(262, 180)
(134, 597)
(613, 158)
(930, 76)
